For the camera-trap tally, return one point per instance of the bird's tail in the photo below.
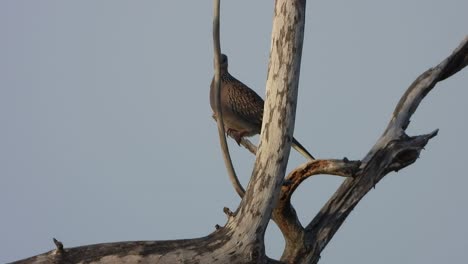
(297, 146)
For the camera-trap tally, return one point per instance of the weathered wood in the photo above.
(285, 215)
(393, 151)
(241, 239)
(275, 140)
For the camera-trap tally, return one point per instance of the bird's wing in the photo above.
(247, 103)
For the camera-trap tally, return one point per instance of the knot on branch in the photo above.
(59, 246)
(406, 150)
(228, 212)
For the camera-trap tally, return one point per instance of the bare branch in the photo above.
(222, 135)
(285, 215)
(416, 92)
(330, 167)
(249, 146)
(393, 151)
(426, 82)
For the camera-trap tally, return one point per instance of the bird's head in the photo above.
(223, 62)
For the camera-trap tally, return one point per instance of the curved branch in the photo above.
(217, 95)
(342, 168)
(285, 215)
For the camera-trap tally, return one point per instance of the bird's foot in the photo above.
(236, 135)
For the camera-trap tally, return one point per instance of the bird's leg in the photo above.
(236, 135)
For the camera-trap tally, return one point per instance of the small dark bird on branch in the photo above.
(242, 108)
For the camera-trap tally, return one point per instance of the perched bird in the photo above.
(242, 108)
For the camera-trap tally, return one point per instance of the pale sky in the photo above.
(106, 130)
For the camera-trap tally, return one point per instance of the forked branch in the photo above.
(393, 151)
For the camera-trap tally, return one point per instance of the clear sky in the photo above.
(106, 131)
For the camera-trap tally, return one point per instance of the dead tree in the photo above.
(241, 240)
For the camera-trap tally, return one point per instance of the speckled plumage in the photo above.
(242, 108)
